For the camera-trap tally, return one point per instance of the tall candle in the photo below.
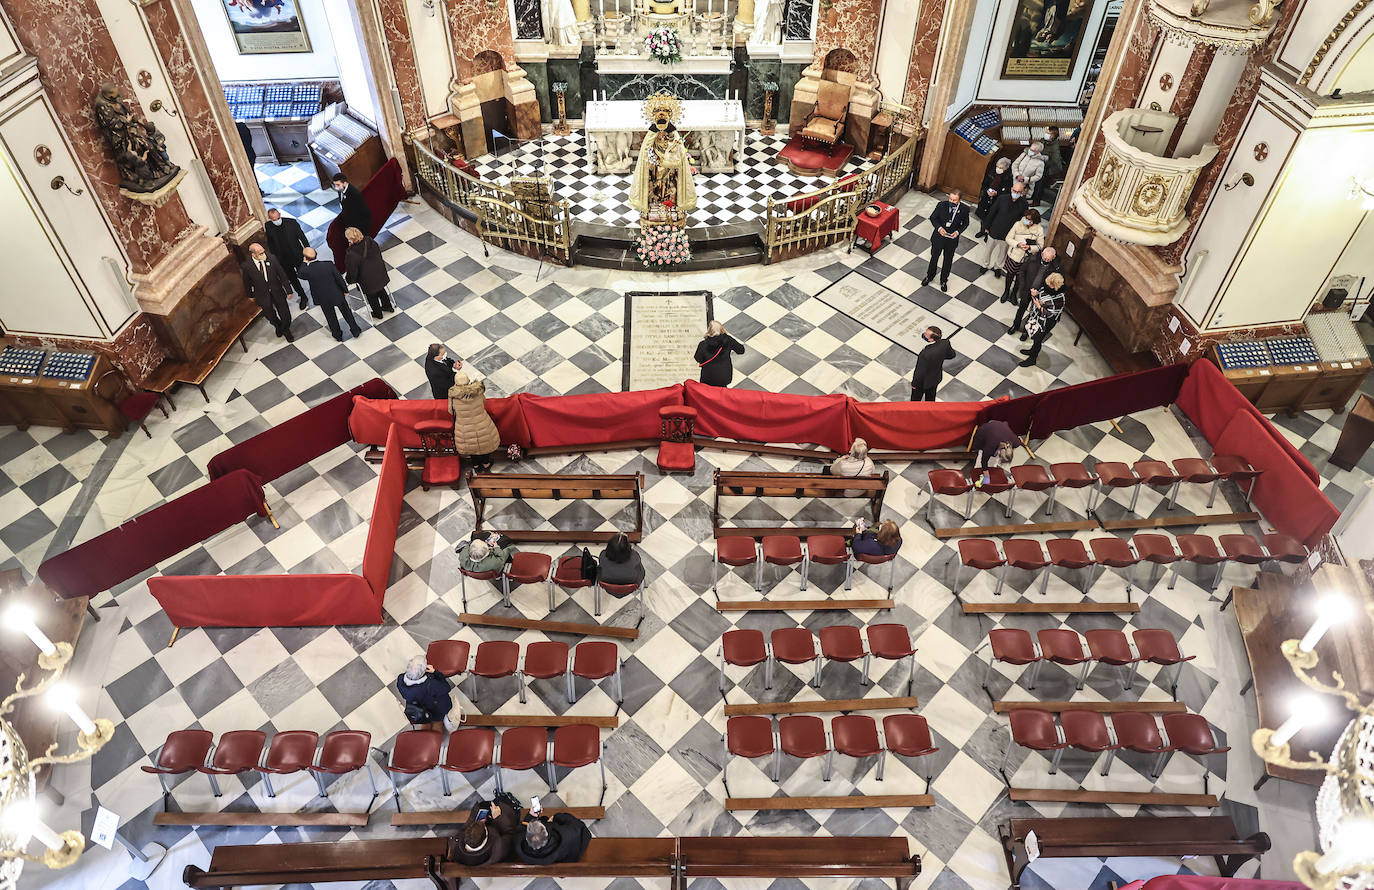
(64, 696)
(1331, 611)
(22, 818)
(1304, 711)
(20, 617)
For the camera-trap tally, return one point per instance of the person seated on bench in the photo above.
(993, 443)
(485, 553)
(855, 463)
(884, 541)
(425, 692)
(545, 841)
(487, 836)
(474, 435)
(620, 563)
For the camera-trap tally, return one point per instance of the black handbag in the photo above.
(588, 565)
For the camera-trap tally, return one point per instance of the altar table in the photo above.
(874, 229)
(712, 129)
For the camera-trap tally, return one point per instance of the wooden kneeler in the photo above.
(799, 605)
(459, 817)
(551, 627)
(1101, 707)
(284, 820)
(1080, 608)
(822, 802)
(1139, 798)
(846, 705)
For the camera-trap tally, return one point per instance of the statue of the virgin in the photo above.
(662, 187)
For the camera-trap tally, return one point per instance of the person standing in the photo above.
(1029, 166)
(268, 286)
(1032, 279)
(367, 269)
(330, 291)
(995, 182)
(949, 219)
(1054, 165)
(475, 436)
(1024, 240)
(1006, 210)
(353, 209)
(930, 365)
(287, 242)
(440, 370)
(1046, 308)
(713, 355)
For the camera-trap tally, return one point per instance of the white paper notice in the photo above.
(106, 824)
(1173, 323)
(1184, 347)
(1068, 248)
(1032, 847)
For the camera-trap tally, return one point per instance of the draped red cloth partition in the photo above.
(294, 443)
(382, 193)
(1283, 492)
(265, 600)
(1105, 399)
(149, 538)
(753, 416)
(386, 516)
(1015, 413)
(914, 426)
(372, 418)
(1205, 882)
(596, 418)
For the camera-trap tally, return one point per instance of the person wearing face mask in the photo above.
(267, 285)
(353, 212)
(1024, 240)
(930, 365)
(949, 219)
(1006, 210)
(287, 242)
(995, 182)
(1030, 282)
(1046, 308)
(440, 370)
(1029, 166)
(1054, 165)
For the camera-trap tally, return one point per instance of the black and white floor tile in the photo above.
(562, 334)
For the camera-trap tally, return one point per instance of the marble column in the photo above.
(400, 49)
(851, 25)
(476, 26)
(948, 61)
(922, 64)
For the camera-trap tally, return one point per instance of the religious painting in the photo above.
(267, 26)
(1046, 36)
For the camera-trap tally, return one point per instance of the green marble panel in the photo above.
(761, 71)
(567, 71)
(538, 74)
(787, 82)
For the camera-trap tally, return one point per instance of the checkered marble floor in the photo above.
(722, 198)
(562, 334)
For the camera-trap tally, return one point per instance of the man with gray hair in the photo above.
(330, 291)
(546, 841)
(426, 695)
(485, 553)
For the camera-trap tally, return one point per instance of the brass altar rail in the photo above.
(828, 214)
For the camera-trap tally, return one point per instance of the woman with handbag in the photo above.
(713, 355)
(364, 267)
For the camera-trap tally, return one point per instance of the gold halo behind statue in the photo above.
(662, 106)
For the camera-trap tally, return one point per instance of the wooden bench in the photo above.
(195, 369)
(845, 705)
(796, 485)
(557, 486)
(796, 857)
(1136, 798)
(605, 857)
(551, 627)
(1102, 707)
(320, 863)
(829, 802)
(1099, 838)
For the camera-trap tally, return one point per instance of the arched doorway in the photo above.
(489, 79)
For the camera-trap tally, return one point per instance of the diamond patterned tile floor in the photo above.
(561, 334)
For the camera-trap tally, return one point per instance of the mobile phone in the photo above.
(535, 806)
(483, 813)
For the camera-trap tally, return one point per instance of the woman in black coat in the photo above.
(365, 267)
(997, 180)
(713, 355)
(439, 368)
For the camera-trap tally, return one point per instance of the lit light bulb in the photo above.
(63, 697)
(21, 821)
(1350, 845)
(1306, 709)
(1331, 610)
(21, 618)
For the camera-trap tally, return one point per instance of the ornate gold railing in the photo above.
(812, 220)
(533, 225)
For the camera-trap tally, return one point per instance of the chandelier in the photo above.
(20, 823)
(1345, 800)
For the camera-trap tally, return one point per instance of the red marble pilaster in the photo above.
(136, 350)
(75, 56)
(923, 49)
(476, 26)
(401, 51)
(850, 25)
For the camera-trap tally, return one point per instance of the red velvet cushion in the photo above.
(678, 457)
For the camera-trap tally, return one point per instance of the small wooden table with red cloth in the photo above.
(874, 229)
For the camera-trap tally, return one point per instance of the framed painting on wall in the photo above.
(267, 26)
(1045, 38)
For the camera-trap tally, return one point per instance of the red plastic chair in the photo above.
(747, 736)
(795, 645)
(951, 483)
(1194, 471)
(893, 643)
(1244, 550)
(595, 660)
(237, 752)
(1010, 645)
(1238, 470)
(737, 551)
(415, 751)
(1026, 554)
(782, 550)
(1034, 730)
(844, 643)
(546, 660)
(1191, 734)
(908, 735)
(496, 659)
(1200, 550)
(522, 747)
(745, 648)
(1029, 477)
(1157, 550)
(855, 735)
(619, 591)
(1069, 475)
(874, 559)
(448, 657)
(442, 466)
(1086, 731)
(577, 745)
(184, 751)
(1158, 646)
(290, 752)
(829, 550)
(1069, 553)
(802, 735)
(568, 575)
(978, 553)
(1283, 548)
(525, 567)
(1063, 647)
(493, 575)
(1114, 553)
(344, 751)
(1113, 474)
(1157, 474)
(1136, 732)
(468, 750)
(1111, 647)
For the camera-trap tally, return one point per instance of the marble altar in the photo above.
(713, 131)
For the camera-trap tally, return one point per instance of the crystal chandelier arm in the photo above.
(86, 745)
(1301, 662)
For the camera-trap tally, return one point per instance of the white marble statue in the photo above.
(715, 149)
(613, 152)
(767, 21)
(563, 27)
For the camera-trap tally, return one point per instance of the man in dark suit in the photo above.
(267, 285)
(1032, 281)
(930, 363)
(354, 210)
(949, 219)
(330, 292)
(286, 241)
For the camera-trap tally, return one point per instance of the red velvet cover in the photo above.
(753, 416)
(1205, 882)
(386, 516)
(382, 193)
(149, 538)
(265, 600)
(372, 418)
(914, 426)
(1107, 398)
(1015, 413)
(294, 443)
(1283, 493)
(596, 418)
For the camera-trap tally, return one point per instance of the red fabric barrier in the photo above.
(1210, 401)
(382, 193)
(149, 538)
(386, 516)
(1105, 399)
(372, 418)
(753, 416)
(265, 600)
(294, 443)
(1015, 413)
(596, 418)
(1283, 493)
(1205, 882)
(914, 426)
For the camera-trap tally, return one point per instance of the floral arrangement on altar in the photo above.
(664, 44)
(662, 246)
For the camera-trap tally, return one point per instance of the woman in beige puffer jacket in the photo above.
(474, 434)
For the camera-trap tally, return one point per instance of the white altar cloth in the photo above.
(712, 128)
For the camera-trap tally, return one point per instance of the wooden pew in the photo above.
(1098, 838)
(606, 857)
(796, 857)
(252, 864)
(796, 485)
(557, 486)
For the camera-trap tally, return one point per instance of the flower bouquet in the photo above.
(659, 247)
(664, 44)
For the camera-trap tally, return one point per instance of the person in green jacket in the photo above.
(485, 554)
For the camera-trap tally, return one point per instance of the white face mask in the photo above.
(275, 222)
(1025, 220)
